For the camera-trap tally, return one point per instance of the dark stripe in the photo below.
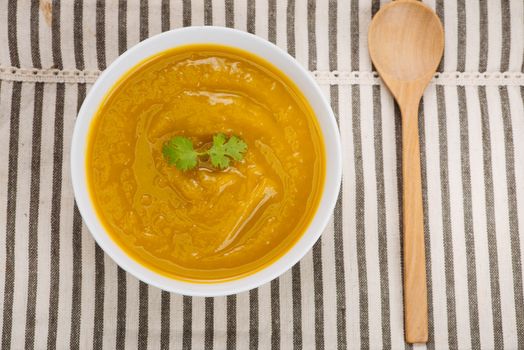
(251, 12)
(296, 294)
(10, 223)
(78, 34)
(253, 319)
(483, 28)
(165, 320)
(100, 34)
(381, 219)
(187, 311)
(516, 258)
(98, 319)
(318, 290)
(54, 272)
(208, 12)
(317, 248)
(312, 35)
(122, 26)
(55, 35)
(230, 13)
(340, 279)
(360, 218)
(143, 310)
(144, 20)
(35, 37)
(165, 21)
(76, 293)
(231, 315)
(468, 220)
(186, 13)
(290, 23)
(272, 21)
(506, 34)
(490, 221)
(354, 33)
(275, 314)
(427, 234)
(11, 33)
(447, 232)
(439, 9)
(375, 6)
(461, 35)
(34, 201)
(121, 302)
(209, 323)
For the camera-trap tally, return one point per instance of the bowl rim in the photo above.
(259, 47)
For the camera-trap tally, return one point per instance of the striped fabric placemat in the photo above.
(61, 292)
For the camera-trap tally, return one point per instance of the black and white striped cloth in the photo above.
(60, 291)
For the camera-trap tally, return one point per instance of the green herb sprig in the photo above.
(179, 152)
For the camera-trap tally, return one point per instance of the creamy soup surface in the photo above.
(205, 224)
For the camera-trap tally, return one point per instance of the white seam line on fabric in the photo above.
(33, 75)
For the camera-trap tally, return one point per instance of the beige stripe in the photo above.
(5, 102)
(111, 32)
(66, 36)
(261, 19)
(110, 302)
(44, 234)
(133, 24)
(364, 21)
(349, 228)
(153, 322)
(264, 317)
(516, 101)
(286, 311)
(219, 13)
(4, 53)
(494, 35)
(322, 26)
(175, 334)
(243, 320)
(175, 13)
(220, 323)
(22, 210)
(66, 224)
(450, 36)
(281, 25)
(392, 220)
(479, 219)
(343, 38)
(155, 17)
(371, 224)
(23, 29)
(472, 35)
(308, 301)
(198, 323)
(301, 39)
(457, 218)
(435, 217)
(240, 10)
(197, 12)
(516, 58)
(507, 296)
(132, 299)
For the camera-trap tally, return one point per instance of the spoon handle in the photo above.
(415, 290)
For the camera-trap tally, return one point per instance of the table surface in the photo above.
(61, 291)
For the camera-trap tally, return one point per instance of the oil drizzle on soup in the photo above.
(205, 224)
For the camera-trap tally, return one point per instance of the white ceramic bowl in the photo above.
(247, 42)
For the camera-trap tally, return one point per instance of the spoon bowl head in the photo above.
(406, 41)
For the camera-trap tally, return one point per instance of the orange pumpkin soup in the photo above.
(205, 224)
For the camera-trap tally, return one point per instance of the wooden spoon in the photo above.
(406, 42)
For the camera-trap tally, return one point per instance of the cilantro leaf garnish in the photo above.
(179, 152)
